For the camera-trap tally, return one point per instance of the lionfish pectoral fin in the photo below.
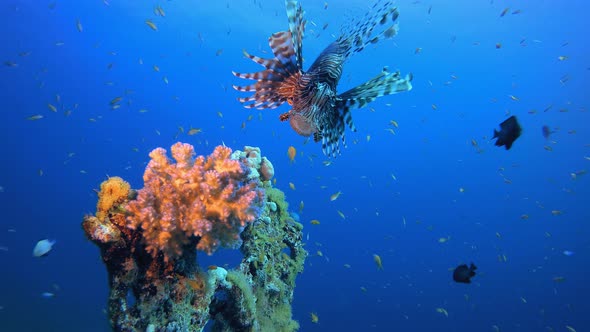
(276, 83)
(317, 137)
(377, 24)
(285, 116)
(386, 83)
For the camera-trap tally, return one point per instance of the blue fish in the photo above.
(568, 252)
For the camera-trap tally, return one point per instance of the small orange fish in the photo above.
(291, 152)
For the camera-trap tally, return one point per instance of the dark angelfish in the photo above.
(547, 132)
(316, 108)
(510, 130)
(463, 274)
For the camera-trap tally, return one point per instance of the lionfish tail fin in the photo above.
(386, 83)
(358, 34)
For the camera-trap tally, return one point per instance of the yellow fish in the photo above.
(151, 24)
(35, 117)
(314, 317)
(194, 131)
(292, 185)
(315, 222)
(52, 108)
(378, 262)
(335, 196)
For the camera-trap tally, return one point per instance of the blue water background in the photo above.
(428, 174)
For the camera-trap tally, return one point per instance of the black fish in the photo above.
(463, 274)
(547, 132)
(509, 132)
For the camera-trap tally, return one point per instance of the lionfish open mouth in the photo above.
(316, 108)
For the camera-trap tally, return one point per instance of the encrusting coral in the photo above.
(113, 191)
(148, 240)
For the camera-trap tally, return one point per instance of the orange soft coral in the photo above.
(112, 192)
(204, 201)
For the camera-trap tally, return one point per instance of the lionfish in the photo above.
(316, 107)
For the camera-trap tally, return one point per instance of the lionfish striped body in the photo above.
(316, 107)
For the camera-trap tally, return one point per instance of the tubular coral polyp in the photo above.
(202, 201)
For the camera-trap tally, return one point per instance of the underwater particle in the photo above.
(513, 98)
(47, 295)
(151, 24)
(570, 329)
(347, 266)
(434, 107)
(219, 52)
(43, 247)
(556, 212)
(341, 214)
(510, 130)
(463, 274)
(524, 217)
(559, 279)
(418, 50)
(568, 252)
(461, 190)
(378, 262)
(562, 57)
(444, 239)
(10, 64)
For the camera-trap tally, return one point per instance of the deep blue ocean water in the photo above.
(401, 194)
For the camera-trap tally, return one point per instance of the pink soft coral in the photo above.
(198, 200)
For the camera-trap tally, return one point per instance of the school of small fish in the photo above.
(345, 200)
